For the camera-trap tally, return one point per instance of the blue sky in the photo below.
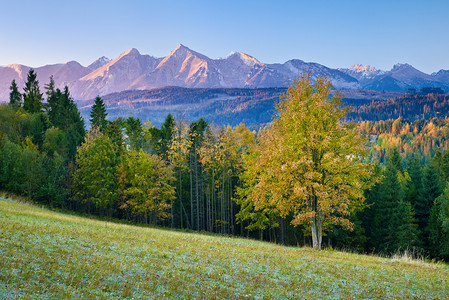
(333, 33)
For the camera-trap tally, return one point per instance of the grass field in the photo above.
(44, 254)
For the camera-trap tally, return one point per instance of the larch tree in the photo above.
(310, 163)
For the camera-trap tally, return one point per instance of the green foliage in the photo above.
(393, 226)
(148, 191)
(55, 142)
(15, 97)
(166, 136)
(134, 133)
(439, 225)
(94, 178)
(98, 114)
(32, 97)
(63, 114)
(115, 133)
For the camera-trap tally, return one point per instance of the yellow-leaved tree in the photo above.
(308, 162)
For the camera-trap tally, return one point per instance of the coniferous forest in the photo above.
(373, 186)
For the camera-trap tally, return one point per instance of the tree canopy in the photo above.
(309, 163)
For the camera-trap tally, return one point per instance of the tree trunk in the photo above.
(315, 224)
(191, 191)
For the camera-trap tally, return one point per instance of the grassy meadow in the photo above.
(44, 254)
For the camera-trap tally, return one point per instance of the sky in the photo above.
(333, 33)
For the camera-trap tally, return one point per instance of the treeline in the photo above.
(411, 138)
(192, 175)
(407, 209)
(411, 107)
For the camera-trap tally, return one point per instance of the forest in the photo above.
(385, 189)
(413, 106)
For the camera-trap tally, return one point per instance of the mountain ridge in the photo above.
(187, 68)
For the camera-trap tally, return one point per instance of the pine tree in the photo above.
(32, 97)
(15, 97)
(98, 114)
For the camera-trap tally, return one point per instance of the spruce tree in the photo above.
(445, 166)
(167, 132)
(50, 87)
(32, 97)
(394, 226)
(431, 189)
(98, 114)
(64, 114)
(414, 185)
(439, 226)
(15, 97)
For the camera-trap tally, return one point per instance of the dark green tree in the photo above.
(439, 226)
(431, 189)
(15, 97)
(64, 114)
(394, 225)
(98, 114)
(32, 97)
(94, 179)
(414, 185)
(166, 136)
(134, 132)
(50, 87)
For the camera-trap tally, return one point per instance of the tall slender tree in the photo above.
(15, 97)
(32, 97)
(98, 114)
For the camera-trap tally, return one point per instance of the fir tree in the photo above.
(98, 114)
(15, 97)
(50, 87)
(32, 97)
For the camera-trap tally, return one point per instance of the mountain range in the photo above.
(186, 68)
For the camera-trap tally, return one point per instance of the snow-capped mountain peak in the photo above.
(98, 63)
(249, 60)
(359, 68)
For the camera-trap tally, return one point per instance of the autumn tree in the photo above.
(310, 163)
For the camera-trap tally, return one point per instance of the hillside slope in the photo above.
(46, 255)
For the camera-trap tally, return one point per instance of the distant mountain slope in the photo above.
(184, 67)
(221, 106)
(400, 78)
